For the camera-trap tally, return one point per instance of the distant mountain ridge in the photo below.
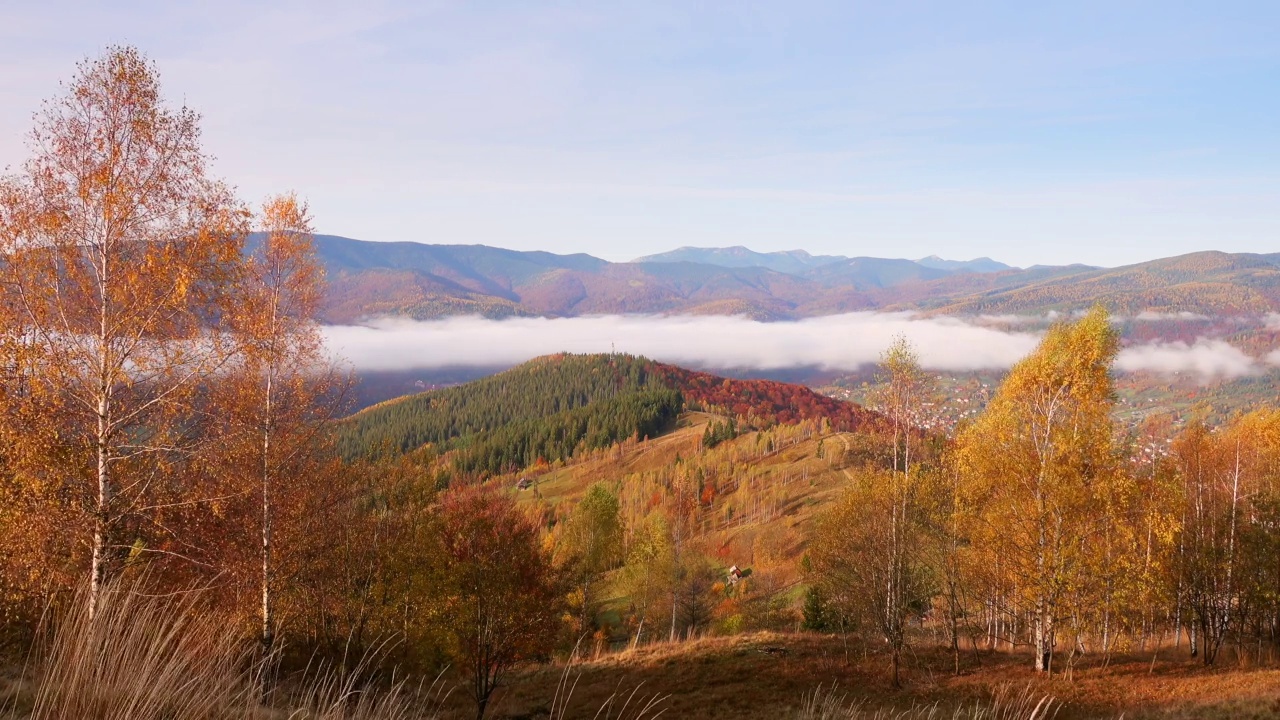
(787, 261)
(798, 262)
(420, 281)
(982, 264)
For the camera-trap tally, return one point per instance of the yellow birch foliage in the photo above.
(1044, 489)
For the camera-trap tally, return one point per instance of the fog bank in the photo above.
(837, 342)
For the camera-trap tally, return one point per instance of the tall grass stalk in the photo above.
(618, 706)
(147, 657)
(144, 657)
(337, 695)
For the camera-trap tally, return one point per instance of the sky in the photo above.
(1034, 133)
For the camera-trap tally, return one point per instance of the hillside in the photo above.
(767, 401)
(763, 488)
(542, 409)
(1207, 282)
(369, 279)
(553, 407)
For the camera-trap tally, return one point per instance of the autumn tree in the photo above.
(885, 552)
(1042, 477)
(591, 546)
(648, 575)
(274, 399)
(118, 251)
(870, 557)
(905, 395)
(365, 572)
(503, 594)
(952, 556)
(1228, 481)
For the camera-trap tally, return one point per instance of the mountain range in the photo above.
(798, 262)
(420, 281)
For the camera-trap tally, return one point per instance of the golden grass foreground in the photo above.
(151, 657)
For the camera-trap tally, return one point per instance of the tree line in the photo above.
(550, 387)
(1045, 524)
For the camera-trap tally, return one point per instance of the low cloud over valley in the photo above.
(837, 342)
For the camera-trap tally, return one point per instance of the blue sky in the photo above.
(1103, 133)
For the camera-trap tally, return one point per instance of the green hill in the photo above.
(543, 408)
(554, 407)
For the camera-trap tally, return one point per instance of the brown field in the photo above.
(719, 677)
(732, 677)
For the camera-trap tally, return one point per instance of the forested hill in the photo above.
(552, 407)
(551, 390)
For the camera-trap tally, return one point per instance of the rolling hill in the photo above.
(371, 279)
(554, 407)
(798, 262)
(1210, 282)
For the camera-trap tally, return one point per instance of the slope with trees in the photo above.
(553, 407)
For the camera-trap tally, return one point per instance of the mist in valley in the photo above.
(832, 344)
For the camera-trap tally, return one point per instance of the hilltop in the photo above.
(552, 407)
(787, 261)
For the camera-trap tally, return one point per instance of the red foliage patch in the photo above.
(766, 401)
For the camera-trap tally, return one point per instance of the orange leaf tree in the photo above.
(118, 248)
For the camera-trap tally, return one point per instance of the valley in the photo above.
(546, 467)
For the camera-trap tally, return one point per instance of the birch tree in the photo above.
(1224, 475)
(592, 545)
(871, 556)
(281, 389)
(117, 249)
(1042, 475)
(895, 503)
(905, 396)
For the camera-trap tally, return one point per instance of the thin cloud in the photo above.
(1205, 358)
(1152, 316)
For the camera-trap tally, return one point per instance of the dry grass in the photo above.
(161, 658)
(143, 657)
(830, 704)
(618, 706)
(150, 658)
(731, 677)
(333, 695)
